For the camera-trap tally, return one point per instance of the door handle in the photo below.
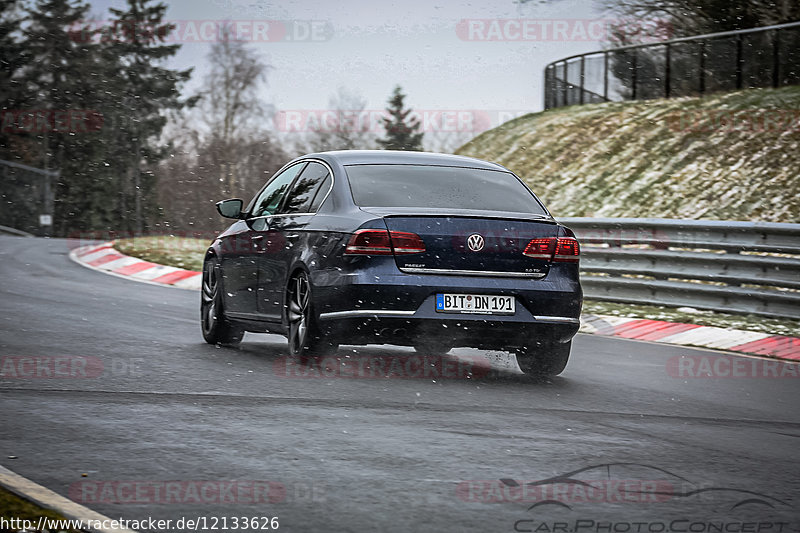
(293, 236)
(257, 237)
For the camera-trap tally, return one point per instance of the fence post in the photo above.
(605, 76)
(566, 85)
(634, 69)
(776, 58)
(667, 70)
(739, 61)
(583, 74)
(702, 77)
(547, 91)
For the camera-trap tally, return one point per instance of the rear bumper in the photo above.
(369, 307)
(483, 334)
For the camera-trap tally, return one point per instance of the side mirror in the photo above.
(230, 208)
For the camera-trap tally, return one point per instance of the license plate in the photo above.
(480, 304)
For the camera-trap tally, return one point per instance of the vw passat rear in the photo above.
(377, 247)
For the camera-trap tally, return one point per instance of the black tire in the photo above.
(216, 328)
(433, 347)
(304, 335)
(546, 359)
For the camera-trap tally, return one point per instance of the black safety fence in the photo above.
(691, 66)
(26, 197)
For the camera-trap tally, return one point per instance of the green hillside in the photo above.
(731, 156)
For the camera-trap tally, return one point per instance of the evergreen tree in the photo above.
(60, 70)
(402, 132)
(145, 91)
(12, 53)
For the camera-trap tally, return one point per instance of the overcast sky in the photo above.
(438, 51)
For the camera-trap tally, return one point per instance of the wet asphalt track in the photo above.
(348, 454)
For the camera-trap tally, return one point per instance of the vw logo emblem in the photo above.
(475, 242)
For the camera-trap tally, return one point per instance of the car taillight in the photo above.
(382, 242)
(540, 249)
(406, 243)
(565, 249)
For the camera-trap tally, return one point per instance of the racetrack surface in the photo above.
(347, 454)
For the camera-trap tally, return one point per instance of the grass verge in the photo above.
(180, 252)
(15, 507)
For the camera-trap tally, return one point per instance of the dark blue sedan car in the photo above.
(416, 249)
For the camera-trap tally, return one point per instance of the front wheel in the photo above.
(305, 336)
(216, 328)
(546, 359)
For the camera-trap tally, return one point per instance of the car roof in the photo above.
(396, 157)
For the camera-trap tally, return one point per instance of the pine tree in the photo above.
(402, 132)
(146, 91)
(12, 53)
(60, 70)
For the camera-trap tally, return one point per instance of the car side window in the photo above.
(321, 194)
(270, 198)
(301, 198)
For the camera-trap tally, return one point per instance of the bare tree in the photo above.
(232, 110)
(226, 150)
(693, 17)
(348, 126)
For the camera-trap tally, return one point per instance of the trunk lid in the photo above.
(463, 244)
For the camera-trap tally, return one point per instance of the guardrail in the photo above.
(739, 267)
(14, 231)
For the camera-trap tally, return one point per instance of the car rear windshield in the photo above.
(440, 187)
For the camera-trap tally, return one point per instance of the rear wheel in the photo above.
(216, 328)
(305, 336)
(546, 359)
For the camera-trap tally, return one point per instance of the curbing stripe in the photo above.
(91, 249)
(671, 329)
(635, 330)
(154, 272)
(173, 277)
(693, 336)
(106, 259)
(119, 263)
(605, 325)
(737, 338)
(133, 268)
(44, 497)
(192, 283)
(775, 345)
(96, 254)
